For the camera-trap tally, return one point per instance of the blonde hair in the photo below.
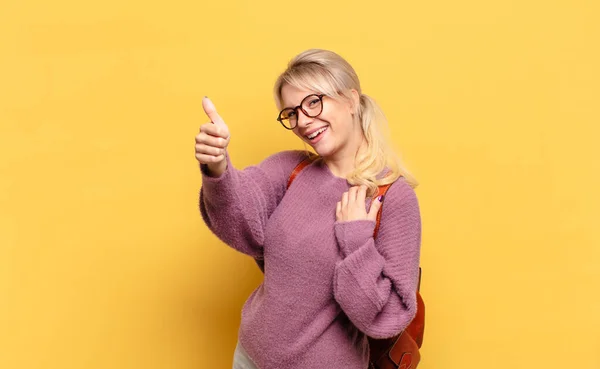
(328, 73)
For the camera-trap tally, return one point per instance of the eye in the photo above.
(288, 113)
(314, 102)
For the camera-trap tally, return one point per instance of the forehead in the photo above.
(292, 96)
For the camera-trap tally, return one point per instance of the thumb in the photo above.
(211, 111)
(375, 206)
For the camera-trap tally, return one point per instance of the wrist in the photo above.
(217, 169)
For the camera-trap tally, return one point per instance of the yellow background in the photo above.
(106, 263)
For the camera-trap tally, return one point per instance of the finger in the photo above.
(207, 159)
(375, 206)
(352, 194)
(338, 211)
(211, 111)
(361, 195)
(209, 150)
(215, 130)
(344, 201)
(204, 138)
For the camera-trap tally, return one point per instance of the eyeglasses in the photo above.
(311, 106)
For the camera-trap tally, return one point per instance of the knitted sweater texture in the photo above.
(327, 284)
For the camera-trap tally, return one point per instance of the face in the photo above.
(334, 132)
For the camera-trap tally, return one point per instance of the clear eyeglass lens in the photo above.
(288, 117)
(312, 105)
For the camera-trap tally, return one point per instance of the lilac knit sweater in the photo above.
(323, 279)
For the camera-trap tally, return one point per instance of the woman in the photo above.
(328, 284)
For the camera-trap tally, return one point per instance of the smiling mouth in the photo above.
(316, 133)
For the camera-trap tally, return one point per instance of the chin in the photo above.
(324, 151)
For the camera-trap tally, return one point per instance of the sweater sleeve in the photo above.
(376, 282)
(236, 205)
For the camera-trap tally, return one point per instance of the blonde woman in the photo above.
(328, 283)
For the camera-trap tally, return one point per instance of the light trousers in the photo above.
(241, 360)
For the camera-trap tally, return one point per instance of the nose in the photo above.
(303, 119)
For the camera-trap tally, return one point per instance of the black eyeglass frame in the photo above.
(295, 109)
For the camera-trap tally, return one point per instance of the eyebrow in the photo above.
(291, 107)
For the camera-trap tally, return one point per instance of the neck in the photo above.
(342, 164)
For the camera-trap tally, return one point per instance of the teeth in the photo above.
(315, 133)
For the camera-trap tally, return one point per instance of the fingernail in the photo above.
(206, 97)
(380, 198)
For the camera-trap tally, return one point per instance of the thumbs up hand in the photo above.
(212, 140)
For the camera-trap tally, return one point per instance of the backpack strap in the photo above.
(299, 168)
(380, 192)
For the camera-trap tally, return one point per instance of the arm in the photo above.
(376, 282)
(236, 204)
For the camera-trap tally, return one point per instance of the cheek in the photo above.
(335, 114)
(328, 112)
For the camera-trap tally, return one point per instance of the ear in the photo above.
(355, 101)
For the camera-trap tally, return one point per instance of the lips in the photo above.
(309, 133)
(318, 135)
